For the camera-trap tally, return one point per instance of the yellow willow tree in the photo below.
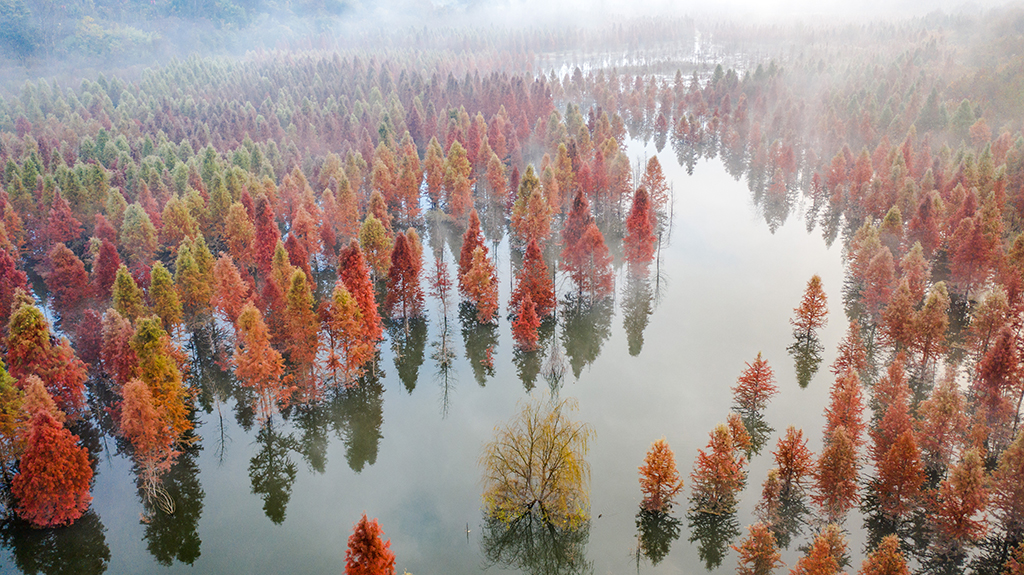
(536, 464)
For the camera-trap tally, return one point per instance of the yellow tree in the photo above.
(536, 463)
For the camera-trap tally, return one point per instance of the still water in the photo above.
(284, 499)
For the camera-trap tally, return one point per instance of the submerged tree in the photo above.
(368, 553)
(52, 486)
(536, 464)
(659, 479)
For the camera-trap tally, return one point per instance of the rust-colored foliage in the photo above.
(590, 265)
(160, 365)
(267, 236)
(118, 357)
(11, 279)
(846, 408)
(795, 462)
(472, 239)
(62, 226)
(104, 270)
(32, 350)
(900, 476)
(835, 476)
(67, 282)
(825, 555)
(481, 286)
(257, 364)
(301, 321)
(851, 354)
(718, 474)
(758, 554)
(347, 348)
(659, 479)
(533, 280)
(755, 387)
(352, 272)
(960, 504)
(230, 291)
(52, 486)
(524, 328)
(404, 295)
(812, 313)
(640, 240)
(147, 429)
(942, 424)
(886, 559)
(368, 553)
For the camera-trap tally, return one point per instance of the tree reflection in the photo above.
(272, 471)
(529, 363)
(806, 352)
(480, 339)
(78, 549)
(408, 346)
(175, 536)
(362, 411)
(312, 419)
(532, 545)
(637, 307)
(713, 533)
(758, 429)
(584, 330)
(656, 531)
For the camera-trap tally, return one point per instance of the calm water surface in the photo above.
(726, 290)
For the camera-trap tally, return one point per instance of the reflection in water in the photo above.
(362, 411)
(637, 307)
(713, 533)
(806, 352)
(656, 531)
(584, 330)
(532, 545)
(171, 537)
(554, 367)
(528, 363)
(444, 359)
(481, 340)
(79, 549)
(758, 430)
(272, 471)
(312, 419)
(408, 346)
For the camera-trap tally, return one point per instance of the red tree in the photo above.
(718, 474)
(758, 554)
(659, 479)
(11, 279)
(230, 292)
(886, 559)
(795, 462)
(825, 555)
(590, 265)
(368, 553)
(104, 270)
(481, 285)
(524, 328)
(755, 387)
(471, 240)
(52, 486)
(533, 280)
(836, 476)
(62, 226)
(257, 364)
(812, 313)
(67, 282)
(959, 506)
(352, 272)
(404, 295)
(640, 239)
(32, 350)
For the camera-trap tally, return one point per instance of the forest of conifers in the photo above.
(257, 228)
